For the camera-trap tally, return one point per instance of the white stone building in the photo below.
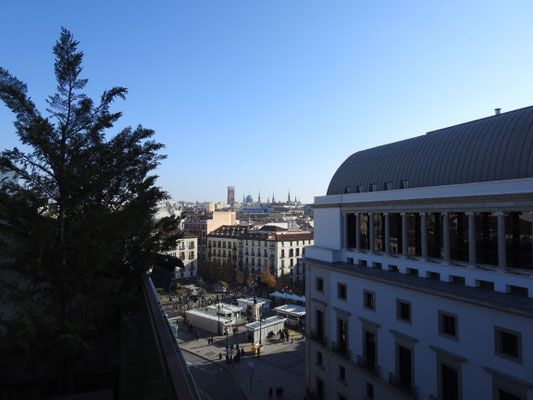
(420, 282)
(275, 249)
(270, 247)
(187, 251)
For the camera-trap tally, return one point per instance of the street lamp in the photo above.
(260, 321)
(218, 319)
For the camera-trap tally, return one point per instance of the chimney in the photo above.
(497, 111)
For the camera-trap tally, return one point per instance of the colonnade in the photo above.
(502, 256)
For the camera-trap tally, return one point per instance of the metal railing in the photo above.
(402, 384)
(319, 337)
(341, 349)
(370, 366)
(179, 381)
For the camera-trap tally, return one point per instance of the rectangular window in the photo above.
(508, 344)
(341, 291)
(369, 391)
(449, 385)
(319, 358)
(369, 348)
(369, 300)
(319, 284)
(319, 388)
(373, 187)
(460, 280)
(404, 184)
(448, 325)
(485, 285)
(342, 334)
(404, 366)
(403, 311)
(434, 276)
(342, 373)
(359, 188)
(518, 290)
(387, 186)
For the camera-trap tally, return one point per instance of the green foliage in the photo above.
(223, 284)
(76, 226)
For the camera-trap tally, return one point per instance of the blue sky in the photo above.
(272, 95)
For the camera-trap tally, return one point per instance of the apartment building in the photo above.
(420, 281)
(187, 251)
(268, 247)
(225, 244)
(202, 224)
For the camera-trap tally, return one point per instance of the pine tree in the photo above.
(76, 225)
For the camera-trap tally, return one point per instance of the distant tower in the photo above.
(268, 200)
(289, 197)
(273, 198)
(231, 195)
(243, 198)
(259, 196)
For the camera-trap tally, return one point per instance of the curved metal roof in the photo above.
(495, 148)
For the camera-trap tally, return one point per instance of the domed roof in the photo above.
(495, 148)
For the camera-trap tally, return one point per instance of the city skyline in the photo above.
(260, 95)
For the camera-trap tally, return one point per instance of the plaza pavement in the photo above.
(280, 364)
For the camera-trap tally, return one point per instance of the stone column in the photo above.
(446, 236)
(387, 232)
(404, 234)
(502, 254)
(344, 231)
(371, 231)
(424, 234)
(471, 238)
(357, 232)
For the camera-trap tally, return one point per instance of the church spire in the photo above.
(289, 197)
(259, 196)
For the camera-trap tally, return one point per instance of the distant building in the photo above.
(231, 195)
(270, 247)
(187, 251)
(201, 224)
(225, 244)
(420, 282)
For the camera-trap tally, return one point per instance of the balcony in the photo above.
(341, 350)
(151, 363)
(319, 337)
(403, 385)
(370, 366)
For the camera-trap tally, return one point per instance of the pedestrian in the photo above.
(197, 335)
(278, 393)
(242, 351)
(270, 393)
(281, 392)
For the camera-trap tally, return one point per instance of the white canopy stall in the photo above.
(292, 312)
(262, 328)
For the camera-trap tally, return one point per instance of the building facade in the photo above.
(202, 224)
(231, 195)
(269, 248)
(420, 282)
(187, 251)
(274, 249)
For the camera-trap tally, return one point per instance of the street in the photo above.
(213, 381)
